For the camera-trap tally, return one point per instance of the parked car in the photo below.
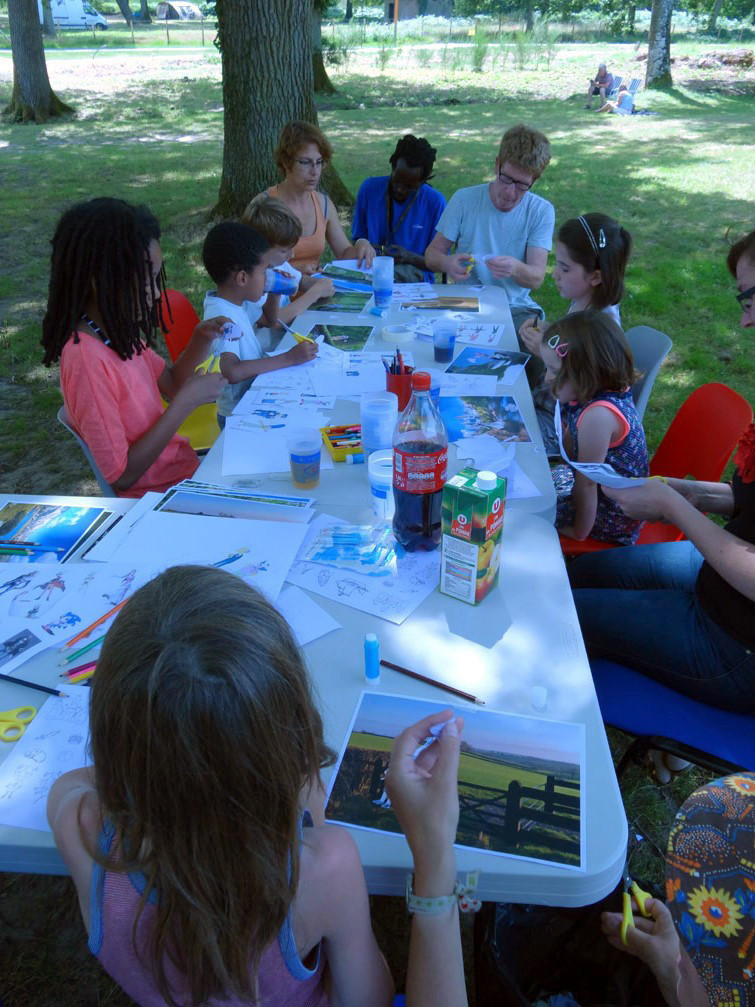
(74, 14)
(178, 10)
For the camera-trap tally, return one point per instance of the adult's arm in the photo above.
(529, 273)
(342, 248)
(424, 795)
(731, 557)
(439, 259)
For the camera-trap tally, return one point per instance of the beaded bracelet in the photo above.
(461, 896)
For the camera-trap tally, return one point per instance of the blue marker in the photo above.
(371, 658)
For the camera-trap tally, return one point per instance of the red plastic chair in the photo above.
(179, 322)
(698, 443)
(184, 320)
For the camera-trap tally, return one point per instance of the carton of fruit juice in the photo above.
(472, 522)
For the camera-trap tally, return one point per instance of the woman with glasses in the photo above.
(302, 151)
(683, 613)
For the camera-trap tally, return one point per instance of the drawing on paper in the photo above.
(16, 645)
(519, 779)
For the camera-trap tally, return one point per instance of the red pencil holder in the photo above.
(401, 386)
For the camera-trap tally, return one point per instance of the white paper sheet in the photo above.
(358, 373)
(413, 292)
(599, 472)
(305, 617)
(104, 547)
(468, 384)
(485, 452)
(19, 640)
(53, 743)
(393, 597)
(244, 548)
(479, 333)
(257, 398)
(250, 451)
(518, 483)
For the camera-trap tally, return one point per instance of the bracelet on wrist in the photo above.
(435, 906)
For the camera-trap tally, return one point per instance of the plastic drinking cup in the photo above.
(380, 475)
(444, 341)
(382, 280)
(280, 283)
(379, 413)
(304, 447)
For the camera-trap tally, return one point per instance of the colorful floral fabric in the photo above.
(710, 886)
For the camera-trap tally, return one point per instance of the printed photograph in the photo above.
(519, 779)
(473, 415)
(342, 273)
(343, 337)
(344, 300)
(16, 645)
(474, 360)
(35, 533)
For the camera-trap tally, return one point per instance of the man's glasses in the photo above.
(307, 162)
(745, 298)
(519, 186)
(561, 349)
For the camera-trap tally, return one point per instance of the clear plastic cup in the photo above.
(444, 341)
(382, 280)
(380, 475)
(378, 416)
(304, 448)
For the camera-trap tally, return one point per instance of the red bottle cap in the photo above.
(421, 381)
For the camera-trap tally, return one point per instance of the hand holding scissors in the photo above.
(13, 722)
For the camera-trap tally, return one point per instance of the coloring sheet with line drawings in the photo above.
(393, 598)
(53, 743)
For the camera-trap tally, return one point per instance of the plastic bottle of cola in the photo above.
(420, 463)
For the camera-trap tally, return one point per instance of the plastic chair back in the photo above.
(105, 488)
(634, 85)
(180, 329)
(615, 86)
(703, 434)
(649, 349)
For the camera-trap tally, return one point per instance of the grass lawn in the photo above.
(150, 130)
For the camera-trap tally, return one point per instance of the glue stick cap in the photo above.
(485, 480)
(371, 658)
(421, 381)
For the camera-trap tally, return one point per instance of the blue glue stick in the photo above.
(371, 658)
(357, 459)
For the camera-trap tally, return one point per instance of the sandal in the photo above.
(663, 767)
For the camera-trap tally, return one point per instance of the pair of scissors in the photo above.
(13, 722)
(640, 897)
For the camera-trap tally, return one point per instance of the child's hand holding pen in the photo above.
(302, 352)
(531, 335)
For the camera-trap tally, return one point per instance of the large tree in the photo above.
(322, 81)
(32, 100)
(266, 51)
(658, 73)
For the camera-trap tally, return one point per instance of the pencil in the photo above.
(81, 677)
(82, 650)
(98, 622)
(431, 681)
(90, 665)
(34, 685)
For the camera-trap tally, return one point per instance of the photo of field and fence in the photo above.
(519, 779)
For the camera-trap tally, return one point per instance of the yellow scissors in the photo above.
(640, 897)
(13, 722)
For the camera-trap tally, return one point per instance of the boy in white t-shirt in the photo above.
(237, 259)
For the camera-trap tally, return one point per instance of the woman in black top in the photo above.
(683, 613)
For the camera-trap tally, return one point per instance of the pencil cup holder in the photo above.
(401, 386)
(378, 413)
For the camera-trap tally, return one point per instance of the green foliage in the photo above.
(383, 55)
(480, 50)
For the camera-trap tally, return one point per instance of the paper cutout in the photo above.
(599, 472)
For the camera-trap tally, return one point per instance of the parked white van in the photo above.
(74, 14)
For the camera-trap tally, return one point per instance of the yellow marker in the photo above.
(470, 264)
(300, 338)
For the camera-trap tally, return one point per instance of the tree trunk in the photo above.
(32, 100)
(323, 83)
(48, 25)
(712, 20)
(123, 7)
(631, 15)
(266, 50)
(144, 15)
(658, 73)
(529, 16)
(349, 11)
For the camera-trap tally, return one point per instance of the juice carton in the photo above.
(472, 522)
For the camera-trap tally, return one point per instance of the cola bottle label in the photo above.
(420, 473)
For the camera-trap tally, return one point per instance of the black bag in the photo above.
(526, 952)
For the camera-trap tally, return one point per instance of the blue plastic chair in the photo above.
(105, 488)
(663, 719)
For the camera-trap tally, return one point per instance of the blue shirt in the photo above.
(416, 230)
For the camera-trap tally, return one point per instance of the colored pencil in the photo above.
(82, 650)
(432, 681)
(78, 669)
(97, 622)
(33, 685)
(82, 677)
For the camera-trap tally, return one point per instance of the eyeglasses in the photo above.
(519, 186)
(307, 162)
(745, 299)
(560, 349)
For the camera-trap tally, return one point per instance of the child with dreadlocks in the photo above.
(400, 211)
(106, 282)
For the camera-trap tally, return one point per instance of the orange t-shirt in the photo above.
(309, 248)
(112, 403)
